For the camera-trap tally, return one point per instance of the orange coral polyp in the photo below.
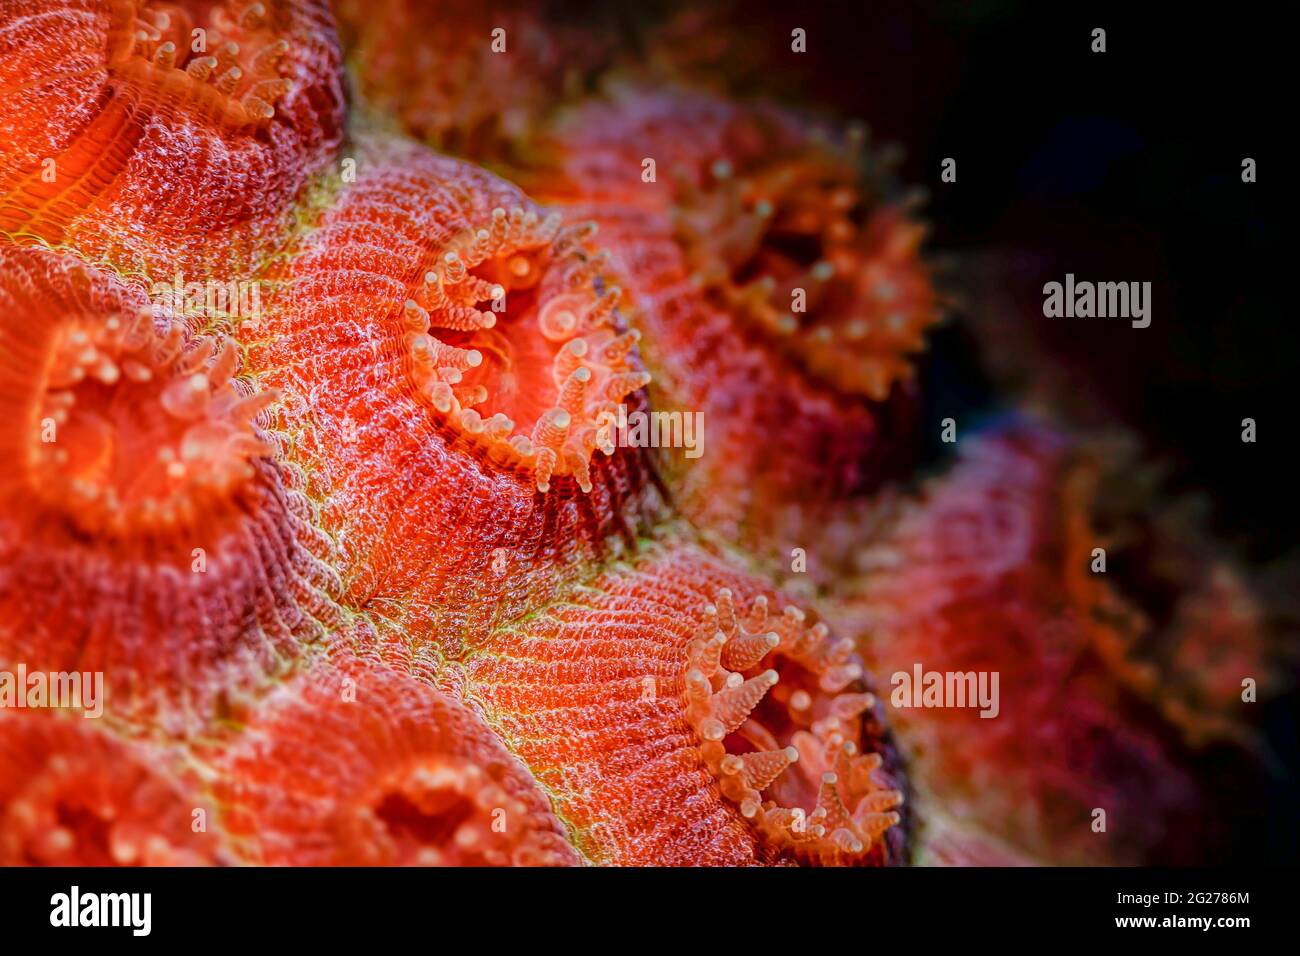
(150, 428)
(796, 248)
(229, 77)
(790, 731)
(139, 503)
(441, 809)
(518, 339)
(355, 765)
(644, 688)
(783, 225)
(176, 149)
(71, 795)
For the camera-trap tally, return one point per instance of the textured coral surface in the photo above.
(310, 446)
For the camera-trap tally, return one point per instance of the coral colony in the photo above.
(432, 563)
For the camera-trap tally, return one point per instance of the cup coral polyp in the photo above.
(187, 439)
(185, 128)
(783, 223)
(352, 766)
(811, 724)
(642, 686)
(558, 364)
(137, 478)
(72, 794)
(224, 68)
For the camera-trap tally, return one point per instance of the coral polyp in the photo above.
(782, 223)
(356, 767)
(73, 795)
(224, 67)
(374, 570)
(153, 429)
(827, 808)
(137, 476)
(672, 695)
(552, 374)
(186, 128)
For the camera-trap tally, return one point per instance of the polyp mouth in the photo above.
(794, 248)
(142, 429)
(779, 716)
(519, 340)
